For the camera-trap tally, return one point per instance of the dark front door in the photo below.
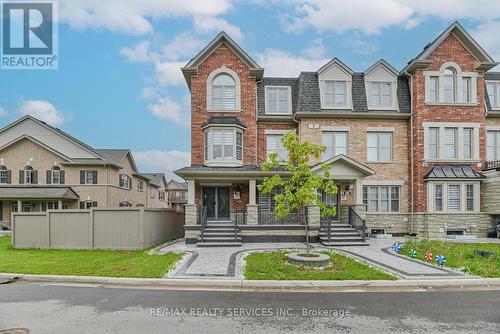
(216, 199)
(332, 200)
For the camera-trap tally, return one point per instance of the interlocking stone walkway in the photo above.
(225, 262)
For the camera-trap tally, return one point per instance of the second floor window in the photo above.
(493, 90)
(161, 195)
(380, 94)
(224, 144)
(450, 85)
(274, 145)
(5, 175)
(379, 146)
(335, 93)
(434, 89)
(88, 177)
(493, 145)
(450, 143)
(124, 181)
(28, 176)
(335, 143)
(140, 185)
(55, 176)
(278, 100)
(223, 92)
(152, 192)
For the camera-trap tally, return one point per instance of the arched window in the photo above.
(450, 84)
(223, 92)
(55, 175)
(28, 175)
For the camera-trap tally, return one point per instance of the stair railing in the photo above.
(203, 222)
(357, 223)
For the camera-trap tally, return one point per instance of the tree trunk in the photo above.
(306, 225)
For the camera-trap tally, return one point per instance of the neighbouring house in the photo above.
(177, 195)
(42, 168)
(415, 150)
(157, 185)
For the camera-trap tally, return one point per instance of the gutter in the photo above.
(351, 115)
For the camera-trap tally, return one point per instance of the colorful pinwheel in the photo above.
(396, 247)
(428, 256)
(412, 253)
(441, 260)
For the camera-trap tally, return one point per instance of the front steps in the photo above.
(341, 235)
(220, 235)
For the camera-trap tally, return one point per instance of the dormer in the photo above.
(335, 85)
(381, 85)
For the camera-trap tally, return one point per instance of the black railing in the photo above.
(239, 217)
(357, 223)
(270, 218)
(202, 220)
(492, 164)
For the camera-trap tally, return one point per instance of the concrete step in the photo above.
(337, 225)
(222, 230)
(220, 234)
(342, 238)
(342, 243)
(220, 239)
(218, 244)
(341, 234)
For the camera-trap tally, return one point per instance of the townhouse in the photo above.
(176, 195)
(42, 168)
(415, 150)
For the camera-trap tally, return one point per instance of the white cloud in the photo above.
(133, 16)
(169, 73)
(167, 108)
(43, 110)
(3, 112)
(138, 53)
(162, 161)
(280, 63)
(183, 45)
(213, 24)
(487, 36)
(316, 50)
(359, 46)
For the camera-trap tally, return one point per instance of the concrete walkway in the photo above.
(225, 262)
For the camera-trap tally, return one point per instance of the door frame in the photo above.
(337, 213)
(216, 200)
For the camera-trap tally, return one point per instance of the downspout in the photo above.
(256, 117)
(411, 154)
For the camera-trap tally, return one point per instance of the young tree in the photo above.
(303, 186)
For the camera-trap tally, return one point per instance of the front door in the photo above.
(332, 200)
(216, 199)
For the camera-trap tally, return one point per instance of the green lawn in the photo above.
(459, 255)
(84, 262)
(274, 266)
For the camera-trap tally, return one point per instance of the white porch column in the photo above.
(59, 204)
(358, 185)
(19, 206)
(252, 195)
(191, 191)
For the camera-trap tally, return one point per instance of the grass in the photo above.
(459, 255)
(137, 264)
(274, 266)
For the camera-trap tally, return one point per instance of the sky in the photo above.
(119, 83)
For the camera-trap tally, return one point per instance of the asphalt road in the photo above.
(83, 309)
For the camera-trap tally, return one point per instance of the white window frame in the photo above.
(378, 133)
(211, 77)
(381, 95)
(334, 94)
(370, 189)
(459, 149)
(281, 151)
(333, 144)
(53, 174)
(495, 93)
(125, 181)
(28, 176)
(89, 174)
(224, 161)
(278, 111)
(458, 86)
(152, 192)
(140, 185)
(431, 200)
(495, 132)
(4, 174)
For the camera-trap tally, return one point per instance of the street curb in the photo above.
(248, 285)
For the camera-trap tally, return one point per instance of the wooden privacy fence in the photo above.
(106, 228)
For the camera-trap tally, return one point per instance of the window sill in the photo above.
(455, 213)
(223, 163)
(452, 161)
(382, 162)
(222, 110)
(453, 104)
(275, 113)
(349, 107)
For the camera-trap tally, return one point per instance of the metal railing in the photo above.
(270, 218)
(357, 223)
(492, 164)
(326, 226)
(202, 220)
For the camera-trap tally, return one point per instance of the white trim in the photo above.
(226, 162)
(493, 128)
(497, 92)
(237, 87)
(383, 182)
(275, 132)
(463, 196)
(459, 143)
(330, 128)
(380, 129)
(289, 100)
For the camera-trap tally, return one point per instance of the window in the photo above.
(124, 181)
(335, 93)
(140, 185)
(152, 192)
(274, 145)
(335, 143)
(223, 92)
(379, 146)
(161, 195)
(466, 90)
(493, 89)
(381, 94)
(450, 85)
(224, 144)
(124, 204)
(381, 198)
(470, 197)
(278, 100)
(5, 175)
(433, 143)
(493, 145)
(434, 89)
(88, 204)
(454, 197)
(450, 143)
(467, 143)
(55, 176)
(438, 197)
(51, 205)
(28, 176)
(88, 177)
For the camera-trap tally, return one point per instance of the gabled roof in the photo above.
(485, 62)
(177, 184)
(331, 63)
(26, 137)
(191, 67)
(364, 169)
(383, 63)
(35, 191)
(155, 178)
(116, 156)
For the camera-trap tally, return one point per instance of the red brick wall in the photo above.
(261, 138)
(449, 50)
(223, 56)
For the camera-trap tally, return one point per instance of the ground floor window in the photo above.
(125, 204)
(88, 204)
(50, 205)
(453, 197)
(382, 198)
